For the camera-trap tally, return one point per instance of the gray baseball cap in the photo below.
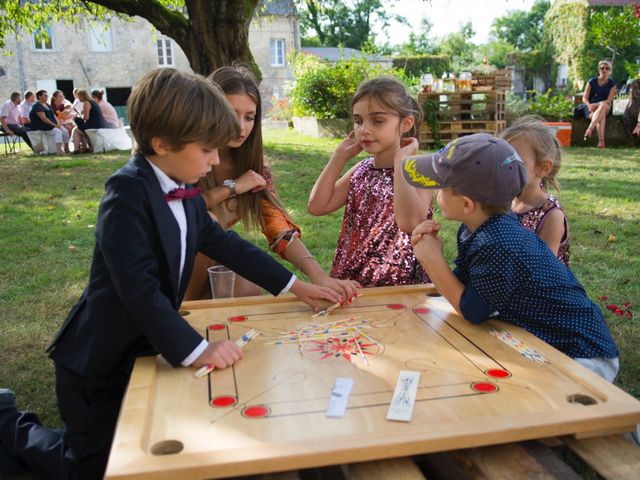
(480, 166)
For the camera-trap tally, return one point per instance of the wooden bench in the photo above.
(43, 142)
(612, 457)
(108, 139)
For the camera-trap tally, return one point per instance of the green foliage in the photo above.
(632, 69)
(566, 28)
(514, 107)
(325, 90)
(496, 52)
(338, 23)
(614, 28)
(430, 109)
(550, 106)
(459, 47)
(522, 29)
(418, 43)
(583, 35)
(419, 64)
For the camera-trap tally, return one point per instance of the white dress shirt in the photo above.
(166, 184)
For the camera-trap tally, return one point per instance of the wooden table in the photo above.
(480, 385)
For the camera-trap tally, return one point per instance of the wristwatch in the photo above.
(230, 183)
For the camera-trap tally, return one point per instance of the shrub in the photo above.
(514, 107)
(549, 106)
(325, 90)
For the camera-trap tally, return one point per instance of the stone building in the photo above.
(113, 55)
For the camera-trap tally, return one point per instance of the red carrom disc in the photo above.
(238, 318)
(217, 326)
(484, 387)
(498, 373)
(396, 306)
(421, 310)
(224, 401)
(256, 411)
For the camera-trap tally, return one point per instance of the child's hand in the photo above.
(347, 289)
(219, 354)
(408, 147)
(311, 294)
(250, 181)
(348, 148)
(428, 227)
(425, 240)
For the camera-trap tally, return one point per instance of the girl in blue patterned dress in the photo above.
(372, 250)
(537, 210)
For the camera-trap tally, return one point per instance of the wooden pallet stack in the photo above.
(461, 113)
(464, 113)
(496, 80)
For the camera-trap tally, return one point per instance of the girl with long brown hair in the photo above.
(241, 188)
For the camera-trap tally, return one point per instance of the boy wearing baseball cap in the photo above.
(503, 270)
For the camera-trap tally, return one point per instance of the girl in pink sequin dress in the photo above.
(371, 249)
(537, 210)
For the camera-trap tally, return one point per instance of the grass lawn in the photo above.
(48, 209)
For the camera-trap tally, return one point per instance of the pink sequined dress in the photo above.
(534, 220)
(371, 249)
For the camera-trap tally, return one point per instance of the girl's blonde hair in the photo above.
(391, 94)
(532, 129)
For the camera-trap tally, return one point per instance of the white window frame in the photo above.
(166, 56)
(100, 37)
(39, 44)
(277, 57)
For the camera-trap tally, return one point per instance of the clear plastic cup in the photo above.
(223, 282)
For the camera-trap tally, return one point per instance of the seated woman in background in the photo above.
(240, 188)
(77, 105)
(598, 97)
(91, 118)
(41, 117)
(108, 112)
(62, 110)
(632, 112)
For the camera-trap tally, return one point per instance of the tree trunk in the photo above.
(219, 36)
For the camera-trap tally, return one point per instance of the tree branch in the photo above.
(169, 22)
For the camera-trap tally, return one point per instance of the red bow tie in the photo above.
(182, 194)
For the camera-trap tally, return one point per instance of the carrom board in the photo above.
(479, 385)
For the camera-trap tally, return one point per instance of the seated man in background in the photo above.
(25, 107)
(10, 119)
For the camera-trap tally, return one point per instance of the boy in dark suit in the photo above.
(148, 231)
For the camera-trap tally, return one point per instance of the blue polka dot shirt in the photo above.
(510, 274)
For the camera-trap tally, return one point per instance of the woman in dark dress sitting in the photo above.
(91, 118)
(598, 97)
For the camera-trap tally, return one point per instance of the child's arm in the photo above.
(553, 229)
(330, 193)
(410, 204)
(249, 181)
(255, 265)
(297, 254)
(427, 247)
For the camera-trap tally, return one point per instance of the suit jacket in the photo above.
(130, 306)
